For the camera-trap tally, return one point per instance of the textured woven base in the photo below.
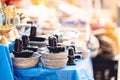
(26, 62)
(54, 64)
(61, 55)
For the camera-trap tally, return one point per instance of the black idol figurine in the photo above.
(18, 45)
(33, 35)
(71, 57)
(33, 31)
(25, 40)
(53, 46)
(52, 41)
(19, 52)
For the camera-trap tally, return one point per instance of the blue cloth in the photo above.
(81, 71)
(11, 46)
(6, 67)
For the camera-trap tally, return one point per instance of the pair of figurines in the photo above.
(22, 49)
(55, 47)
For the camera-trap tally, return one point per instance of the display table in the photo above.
(81, 71)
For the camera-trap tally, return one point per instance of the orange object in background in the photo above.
(110, 33)
(73, 2)
(37, 2)
(25, 3)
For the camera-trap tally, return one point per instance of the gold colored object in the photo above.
(110, 33)
(16, 34)
(38, 2)
(13, 13)
(7, 12)
(12, 35)
(3, 32)
(7, 32)
(4, 40)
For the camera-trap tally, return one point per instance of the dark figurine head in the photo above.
(73, 47)
(33, 31)
(71, 51)
(18, 45)
(52, 41)
(56, 37)
(25, 40)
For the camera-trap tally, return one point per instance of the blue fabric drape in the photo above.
(6, 68)
(81, 71)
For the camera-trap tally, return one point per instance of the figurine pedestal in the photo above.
(3, 32)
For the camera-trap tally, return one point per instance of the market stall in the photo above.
(57, 41)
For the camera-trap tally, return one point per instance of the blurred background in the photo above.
(98, 21)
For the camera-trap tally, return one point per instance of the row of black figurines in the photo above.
(53, 41)
(22, 48)
(29, 51)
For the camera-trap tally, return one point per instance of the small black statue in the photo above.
(73, 46)
(25, 40)
(18, 48)
(56, 37)
(71, 57)
(33, 35)
(33, 31)
(53, 46)
(52, 41)
(18, 45)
